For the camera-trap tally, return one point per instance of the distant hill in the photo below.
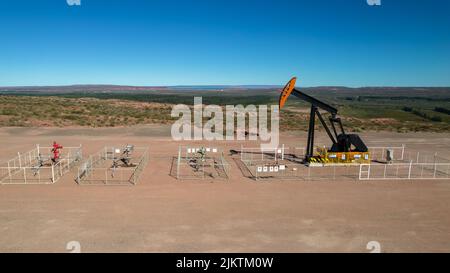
(234, 89)
(81, 88)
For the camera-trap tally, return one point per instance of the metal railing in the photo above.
(35, 166)
(190, 165)
(380, 153)
(404, 171)
(98, 168)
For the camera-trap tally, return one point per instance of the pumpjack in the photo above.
(342, 142)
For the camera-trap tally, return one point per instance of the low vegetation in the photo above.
(56, 111)
(361, 110)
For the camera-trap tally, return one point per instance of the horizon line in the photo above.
(223, 85)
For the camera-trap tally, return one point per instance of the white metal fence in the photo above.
(97, 169)
(190, 164)
(380, 153)
(285, 163)
(36, 167)
(252, 156)
(404, 171)
(425, 157)
(257, 155)
(302, 172)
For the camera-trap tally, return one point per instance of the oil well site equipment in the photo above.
(346, 148)
(113, 166)
(200, 162)
(41, 165)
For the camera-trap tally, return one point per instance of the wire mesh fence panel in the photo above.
(28, 175)
(256, 155)
(426, 157)
(253, 156)
(404, 171)
(303, 172)
(37, 166)
(108, 176)
(139, 169)
(111, 166)
(288, 163)
(284, 171)
(441, 171)
(186, 169)
(214, 167)
(380, 153)
(200, 163)
(334, 172)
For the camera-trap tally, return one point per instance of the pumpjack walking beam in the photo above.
(341, 142)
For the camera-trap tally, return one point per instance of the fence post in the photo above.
(53, 173)
(361, 171)
(282, 152)
(9, 170)
(203, 170)
(403, 151)
(409, 171)
(20, 161)
(178, 162)
(68, 162)
(434, 171)
(242, 151)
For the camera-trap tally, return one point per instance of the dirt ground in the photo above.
(162, 214)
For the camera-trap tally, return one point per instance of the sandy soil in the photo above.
(162, 214)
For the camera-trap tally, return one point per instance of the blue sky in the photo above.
(193, 42)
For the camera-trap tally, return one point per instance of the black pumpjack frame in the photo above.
(341, 142)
